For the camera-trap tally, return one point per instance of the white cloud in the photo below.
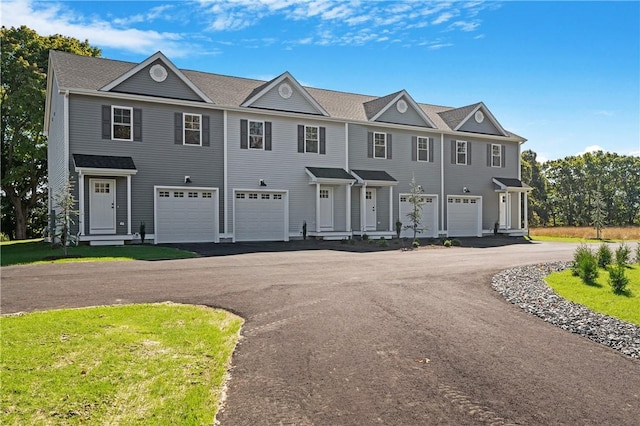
(444, 17)
(604, 113)
(464, 26)
(437, 46)
(591, 148)
(53, 18)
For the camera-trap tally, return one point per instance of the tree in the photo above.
(66, 212)
(24, 65)
(532, 174)
(598, 211)
(417, 200)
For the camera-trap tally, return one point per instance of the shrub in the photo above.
(617, 278)
(382, 242)
(581, 251)
(456, 243)
(4, 237)
(343, 241)
(622, 254)
(604, 255)
(588, 269)
(447, 243)
(365, 237)
(416, 243)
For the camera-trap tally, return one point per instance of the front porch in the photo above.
(510, 211)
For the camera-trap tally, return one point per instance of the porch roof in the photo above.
(374, 177)
(511, 184)
(104, 164)
(329, 175)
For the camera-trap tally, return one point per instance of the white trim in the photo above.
(184, 128)
(129, 204)
(249, 121)
(216, 213)
(105, 172)
(418, 148)
(168, 63)
(317, 140)
(113, 123)
(327, 181)
(488, 114)
(346, 146)
(391, 228)
(505, 188)
(466, 153)
(275, 82)
(285, 195)
(499, 155)
(81, 227)
(112, 183)
(348, 209)
(410, 101)
(386, 145)
(442, 218)
(225, 138)
(317, 207)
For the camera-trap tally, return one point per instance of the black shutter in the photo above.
(106, 121)
(205, 130)
(370, 145)
(137, 124)
(177, 118)
(431, 150)
(323, 140)
(503, 158)
(414, 148)
(453, 151)
(489, 154)
(300, 138)
(267, 136)
(244, 139)
(468, 153)
(389, 146)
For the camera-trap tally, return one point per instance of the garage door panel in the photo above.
(429, 216)
(181, 219)
(260, 216)
(463, 217)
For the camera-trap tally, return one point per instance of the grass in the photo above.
(599, 297)
(37, 251)
(584, 234)
(132, 364)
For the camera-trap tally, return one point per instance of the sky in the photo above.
(564, 75)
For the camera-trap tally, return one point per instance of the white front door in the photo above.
(503, 211)
(326, 208)
(370, 209)
(102, 206)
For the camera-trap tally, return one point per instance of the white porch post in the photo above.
(508, 210)
(81, 202)
(390, 208)
(526, 210)
(128, 204)
(317, 207)
(363, 207)
(348, 209)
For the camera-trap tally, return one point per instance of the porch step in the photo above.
(106, 242)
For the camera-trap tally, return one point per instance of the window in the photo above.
(178, 194)
(461, 152)
(256, 135)
(164, 194)
(101, 188)
(379, 145)
(265, 196)
(310, 139)
(192, 133)
(253, 196)
(121, 123)
(423, 149)
(192, 195)
(496, 155)
(324, 193)
(240, 196)
(206, 195)
(277, 196)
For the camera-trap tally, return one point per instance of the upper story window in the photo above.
(121, 124)
(192, 129)
(256, 134)
(423, 149)
(379, 145)
(461, 152)
(311, 139)
(496, 155)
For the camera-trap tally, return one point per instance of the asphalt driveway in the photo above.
(339, 338)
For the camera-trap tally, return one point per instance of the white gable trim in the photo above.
(297, 86)
(488, 114)
(168, 63)
(411, 102)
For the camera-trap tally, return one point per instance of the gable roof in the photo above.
(85, 73)
(376, 107)
(142, 65)
(457, 117)
(103, 162)
(261, 90)
(511, 184)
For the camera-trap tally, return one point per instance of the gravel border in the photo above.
(525, 287)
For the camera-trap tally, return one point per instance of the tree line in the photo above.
(566, 192)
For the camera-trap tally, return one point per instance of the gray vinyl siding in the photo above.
(355, 208)
(158, 159)
(142, 84)
(296, 103)
(486, 127)
(400, 166)
(283, 168)
(410, 117)
(57, 172)
(478, 177)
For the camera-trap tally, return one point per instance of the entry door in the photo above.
(102, 206)
(370, 206)
(326, 208)
(503, 211)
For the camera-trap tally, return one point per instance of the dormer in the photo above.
(397, 108)
(474, 118)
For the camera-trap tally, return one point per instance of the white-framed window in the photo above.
(311, 138)
(206, 195)
(423, 149)
(192, 195)
(461, 152)
(240, 196)
(256, 134)
(253, 196)
(163, 194)
(265, 196)
(121, 123)
(277, 196)
(192, 129)
(379, 145)
(496, 155)
(178, 194)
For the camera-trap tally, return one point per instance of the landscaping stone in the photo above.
(525, 287)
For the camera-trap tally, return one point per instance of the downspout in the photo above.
(225, 172)
(442, 199)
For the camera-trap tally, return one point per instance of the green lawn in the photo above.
(37, 251)
(600, 297)
(560, 239)
(156, 364)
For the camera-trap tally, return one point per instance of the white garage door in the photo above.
(260, 216)
(429, 220)
(186, 215)
(463, 216)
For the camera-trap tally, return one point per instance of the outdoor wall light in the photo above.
(262, 182)
(466, 190)
(187, 179)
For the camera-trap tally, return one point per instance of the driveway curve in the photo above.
(403, 338)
